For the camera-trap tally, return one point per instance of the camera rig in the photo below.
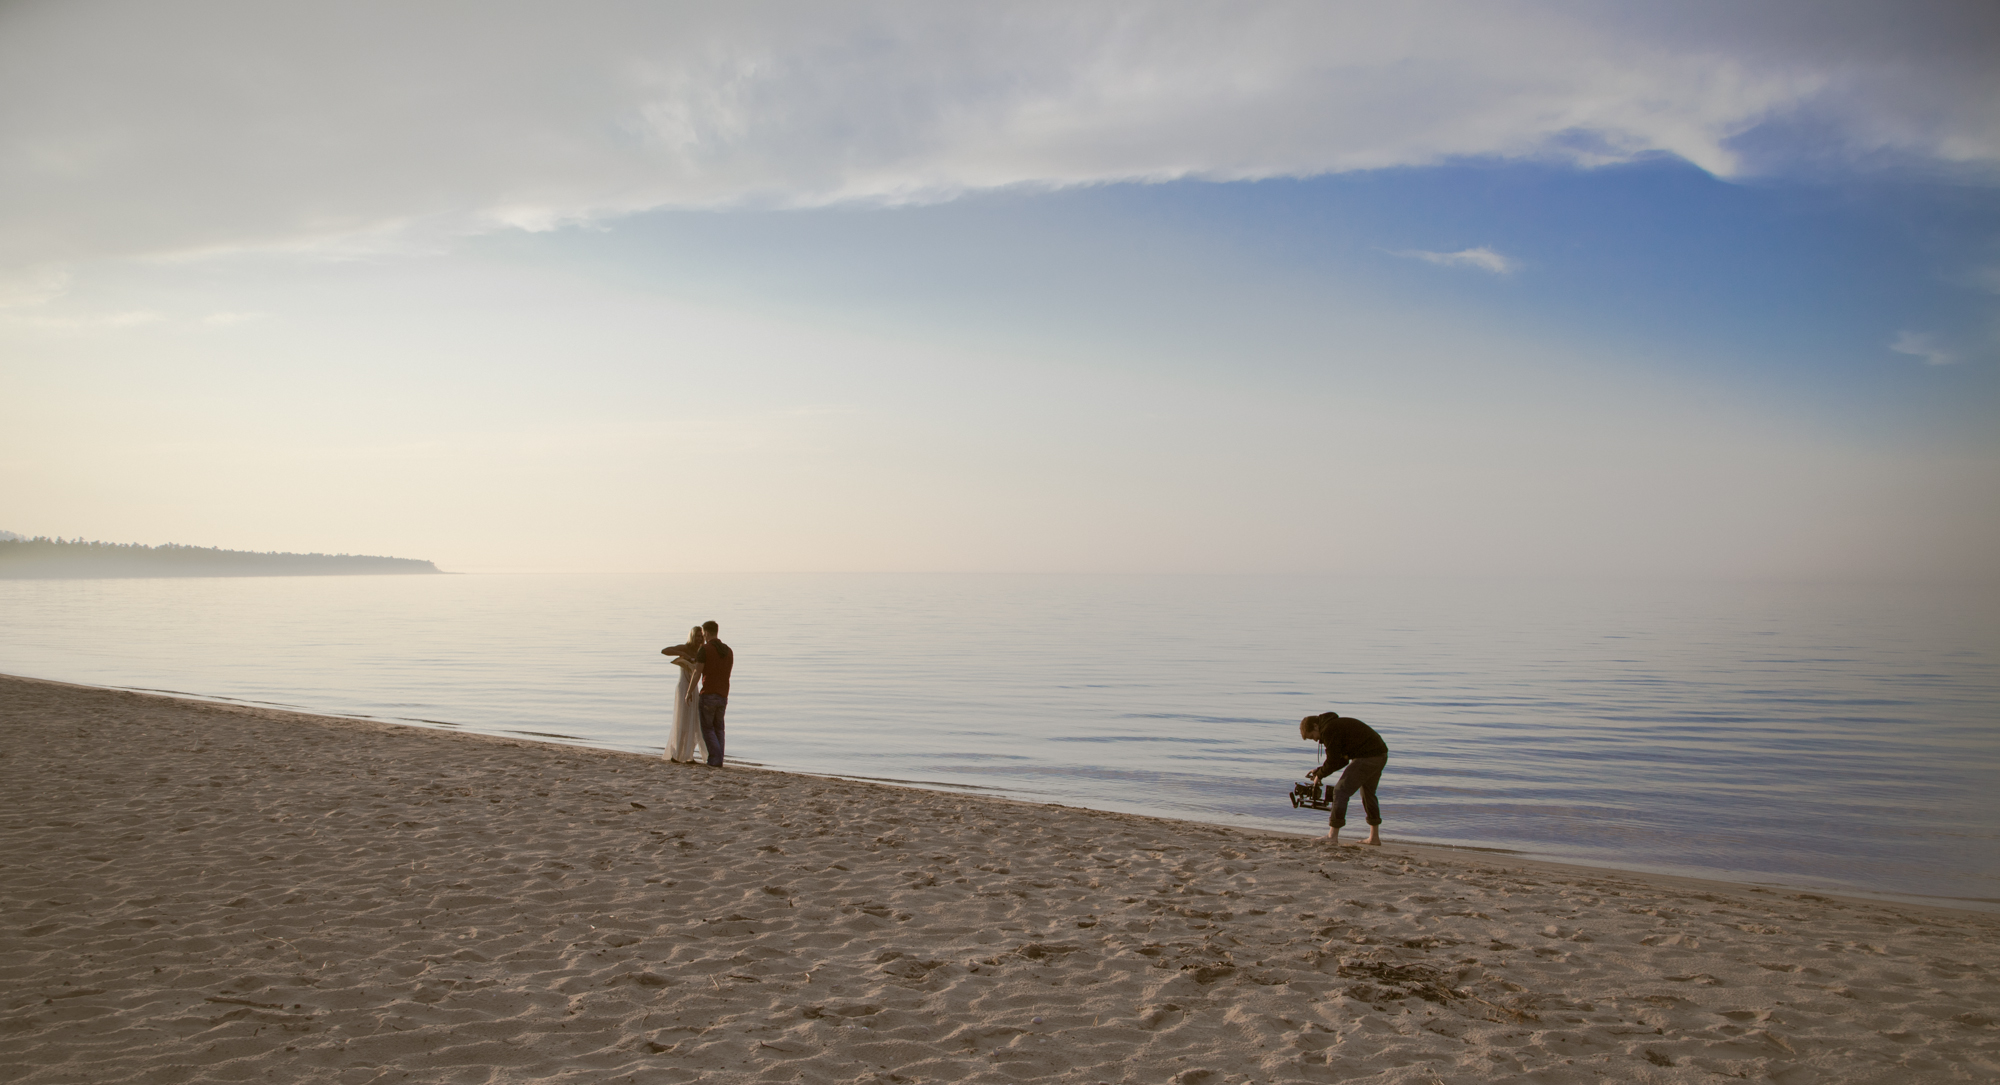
(1312, 797)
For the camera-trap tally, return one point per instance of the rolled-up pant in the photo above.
(1362, 774)
(713, 705)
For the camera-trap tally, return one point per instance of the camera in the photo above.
(1312, 797)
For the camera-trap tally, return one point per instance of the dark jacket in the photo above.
(1345, 739)
(714, 661)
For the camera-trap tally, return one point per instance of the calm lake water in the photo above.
(1844, 738)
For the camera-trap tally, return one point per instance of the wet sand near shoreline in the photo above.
(198, 892)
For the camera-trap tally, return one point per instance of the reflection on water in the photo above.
(1836, 737)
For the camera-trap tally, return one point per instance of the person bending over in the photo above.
(1355, 745)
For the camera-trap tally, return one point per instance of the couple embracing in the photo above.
(702, 697)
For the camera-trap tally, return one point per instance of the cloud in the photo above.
(138, 128)
(31, 287)
(1925, 346)
(1483, 258)
(1986, 279)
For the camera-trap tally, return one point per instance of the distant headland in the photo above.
(45, 558)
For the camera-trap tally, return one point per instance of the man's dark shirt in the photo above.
(1347, 738)
(715, 660)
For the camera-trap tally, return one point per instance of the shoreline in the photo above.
(213, 891)
(1749, 883)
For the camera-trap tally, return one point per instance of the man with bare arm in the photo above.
(713, 662)
(1355, 745)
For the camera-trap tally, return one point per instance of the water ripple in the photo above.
(1844, 738)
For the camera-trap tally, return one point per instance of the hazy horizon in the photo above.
(1444, 289)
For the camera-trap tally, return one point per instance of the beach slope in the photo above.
(196, 892)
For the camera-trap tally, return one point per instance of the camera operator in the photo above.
(1355, 745)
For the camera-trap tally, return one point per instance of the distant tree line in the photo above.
(43, 557)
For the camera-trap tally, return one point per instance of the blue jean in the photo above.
(713, 705)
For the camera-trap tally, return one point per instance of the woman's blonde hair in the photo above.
(694, 635)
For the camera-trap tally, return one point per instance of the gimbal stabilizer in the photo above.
(1312, 797)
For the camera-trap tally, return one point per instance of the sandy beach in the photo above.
(197, 892)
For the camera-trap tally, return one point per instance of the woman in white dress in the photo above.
(684, 743)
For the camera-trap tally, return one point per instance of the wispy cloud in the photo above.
(130, 131)
(32, 287)
(1923, 345)
(1483, 258)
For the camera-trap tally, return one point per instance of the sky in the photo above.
(1702, 290)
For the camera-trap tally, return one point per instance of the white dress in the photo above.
(684, 742)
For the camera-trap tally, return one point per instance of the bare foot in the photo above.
(1374, 838)
(1333, 835)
